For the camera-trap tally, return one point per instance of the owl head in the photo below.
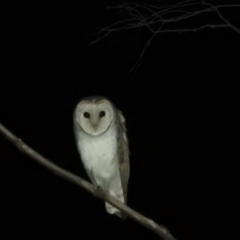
(94, 115)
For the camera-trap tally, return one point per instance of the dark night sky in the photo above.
(181, 112)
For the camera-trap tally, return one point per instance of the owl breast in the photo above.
(98, 154)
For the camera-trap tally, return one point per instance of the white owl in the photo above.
(102, 142)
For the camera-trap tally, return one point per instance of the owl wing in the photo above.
(123, 154)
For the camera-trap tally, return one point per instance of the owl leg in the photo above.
(92, 178)
(98, 191)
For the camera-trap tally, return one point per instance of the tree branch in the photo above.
(145, 15)
(148, 223)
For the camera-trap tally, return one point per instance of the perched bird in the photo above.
(100, 133)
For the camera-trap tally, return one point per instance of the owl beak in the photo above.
(94, 125)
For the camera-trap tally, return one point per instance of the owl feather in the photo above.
(123, 155)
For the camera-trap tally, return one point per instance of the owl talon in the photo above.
(99, 192)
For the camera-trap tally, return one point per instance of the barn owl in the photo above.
(100, 133)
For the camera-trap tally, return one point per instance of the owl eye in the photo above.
(102, 114)
(86, 115)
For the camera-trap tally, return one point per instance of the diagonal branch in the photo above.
(148, 223)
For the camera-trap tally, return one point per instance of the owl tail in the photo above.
(112, 210)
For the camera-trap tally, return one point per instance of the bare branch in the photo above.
(163, 16)
(216, 8)
(148, 223)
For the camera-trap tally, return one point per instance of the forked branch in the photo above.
(166, 19)
(148, 223)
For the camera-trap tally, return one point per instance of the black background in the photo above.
(181, 111)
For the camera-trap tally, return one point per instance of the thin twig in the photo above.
(148, 223)
(160, 15)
